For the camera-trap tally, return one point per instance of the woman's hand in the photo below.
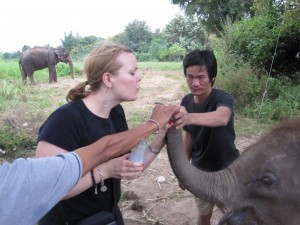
(162, 114)
(122, 168)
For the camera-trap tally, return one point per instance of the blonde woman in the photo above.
(94, 111)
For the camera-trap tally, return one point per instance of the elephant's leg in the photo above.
(55, 78)
(31, 78)
(50, 79)
(52, 74)
(24, 77)
(28, 72)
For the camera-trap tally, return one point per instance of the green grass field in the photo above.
(23, 108)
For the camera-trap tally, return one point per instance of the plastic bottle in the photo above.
(138, 153)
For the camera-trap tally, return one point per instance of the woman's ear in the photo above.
(107, 79)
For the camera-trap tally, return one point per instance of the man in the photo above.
(31, 187)
(206, 115)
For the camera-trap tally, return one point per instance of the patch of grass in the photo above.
(11, 93)
(160, 65)
(29, 104)
(134, 115)
(8, 90)
(245, 127)
(15, 142)
(9, 69)
(25, 104)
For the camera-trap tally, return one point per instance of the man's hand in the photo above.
(162, 114)
(180, 118)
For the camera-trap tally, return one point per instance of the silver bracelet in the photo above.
(103, 187)
(157, 124)
(154, 151)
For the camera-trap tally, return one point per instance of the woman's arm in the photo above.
(110, 146)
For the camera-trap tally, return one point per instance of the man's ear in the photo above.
(212, 81)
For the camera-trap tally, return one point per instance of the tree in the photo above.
(137, 36)
(69, 41)
(214, 12)
(274, 7)
(174, 53)
(187, 32)
(157, 46)
(255, 39)
(11, 55)
(80, 46)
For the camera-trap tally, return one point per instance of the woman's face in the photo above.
(126, 82)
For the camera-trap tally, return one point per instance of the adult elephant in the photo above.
(42, 57)
(261, 187)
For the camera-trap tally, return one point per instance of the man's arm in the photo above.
(60, 174)
(217, 118)
(114, 145)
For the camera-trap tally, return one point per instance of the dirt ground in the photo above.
(147, 200)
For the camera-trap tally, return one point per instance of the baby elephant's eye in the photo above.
(267, 181)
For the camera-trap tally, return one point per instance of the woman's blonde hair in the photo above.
(102, 59)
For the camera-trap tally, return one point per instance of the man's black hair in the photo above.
(202, 58)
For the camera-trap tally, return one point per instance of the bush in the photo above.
(254, 40)
(276, 101)
(8, 91)
(281, 101)
(145, 57)
(281, 96)
(175, 53)
(10, 69)
(14, 142)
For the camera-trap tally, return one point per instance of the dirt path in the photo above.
(162, 202)
(147, 201)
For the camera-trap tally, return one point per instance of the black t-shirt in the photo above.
(213, 147)
(73, 126)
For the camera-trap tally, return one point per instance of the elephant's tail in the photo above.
(20, 65)
(23, 74)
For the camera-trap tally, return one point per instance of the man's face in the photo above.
(198, 81)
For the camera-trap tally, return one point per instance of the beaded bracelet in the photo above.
(154, 151)
(94, 182)
(157, 124)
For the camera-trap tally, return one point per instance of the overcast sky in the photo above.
(39, 22)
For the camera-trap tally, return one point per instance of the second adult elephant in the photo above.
(42, 57)
(261, 187)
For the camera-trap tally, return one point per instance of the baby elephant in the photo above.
(42, 57)
(261, 187)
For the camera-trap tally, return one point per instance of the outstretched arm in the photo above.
(112, 146)
(217, 118)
